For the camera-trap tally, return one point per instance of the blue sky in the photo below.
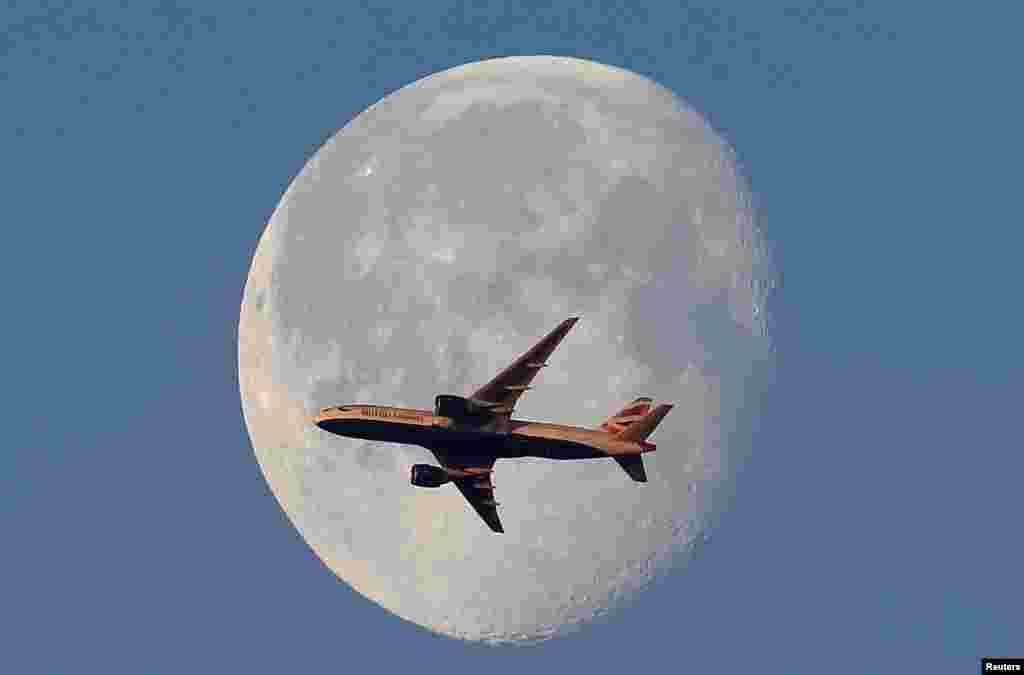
(145, 145)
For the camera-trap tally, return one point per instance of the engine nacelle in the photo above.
(455, 407)
(458, 407)
(429, 476)
(447, 405)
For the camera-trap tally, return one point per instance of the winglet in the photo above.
(564, 327)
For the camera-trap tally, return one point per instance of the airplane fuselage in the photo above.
(513, 438)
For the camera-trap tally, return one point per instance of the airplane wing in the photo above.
(509, 385)
(475, 485)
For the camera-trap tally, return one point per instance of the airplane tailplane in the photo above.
(633, 465)
(639, 431)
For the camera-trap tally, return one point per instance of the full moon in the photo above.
(435, 238)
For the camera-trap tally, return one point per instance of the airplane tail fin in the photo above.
(635, 423)
(633, 412)
(639, 430)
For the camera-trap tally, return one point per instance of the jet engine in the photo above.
(427, 475)
(457, 407)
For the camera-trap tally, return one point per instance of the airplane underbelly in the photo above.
(521, 445)
(465, 441)
(373, 430)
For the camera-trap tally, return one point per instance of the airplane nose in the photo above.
(325, 417)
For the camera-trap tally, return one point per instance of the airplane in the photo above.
(467, 435)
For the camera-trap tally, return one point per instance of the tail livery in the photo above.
(635, 423)
(631, 413)
(639, 431)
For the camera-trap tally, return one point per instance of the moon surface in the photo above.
(435, 238)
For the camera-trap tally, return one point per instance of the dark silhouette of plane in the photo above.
(467, 435)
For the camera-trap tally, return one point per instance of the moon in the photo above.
(435, 238)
